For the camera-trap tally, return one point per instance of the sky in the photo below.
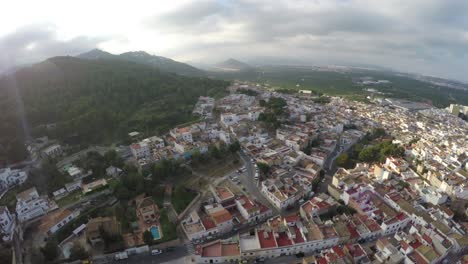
(420, 36)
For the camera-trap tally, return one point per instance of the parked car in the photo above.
(155, 252)
(121, 255)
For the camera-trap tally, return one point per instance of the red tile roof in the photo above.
(266, 239)
(213, 250)
(352, 231)
(321, 261)
(208, 223)
(299, 238)
(338, 251)
(221, 216)
(355, 250)
(292, 219)
(283, 240)
(415, 244)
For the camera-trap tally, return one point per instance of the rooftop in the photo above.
(267, 239)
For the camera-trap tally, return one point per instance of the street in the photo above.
(177, 255)
(250, 183)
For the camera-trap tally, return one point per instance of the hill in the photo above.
(96, 54)
(162, 63)
(98, 101)
(233, 65)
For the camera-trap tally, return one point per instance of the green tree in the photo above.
(367, 154)
(214, 151)
(78, 252)
(50, 250)
(235, 146)
(342, 160)
(263, 168)
(148, 238)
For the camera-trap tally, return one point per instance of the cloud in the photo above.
(425, 36)
(37, 42)
(405, 35)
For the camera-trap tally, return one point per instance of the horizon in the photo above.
(390, 34)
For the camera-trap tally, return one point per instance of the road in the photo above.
(175, 256)
(250, 183)
(330, 167)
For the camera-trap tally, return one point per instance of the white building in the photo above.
(252, 211)
(7, 224)
(140, 150)
(53, 151)
(75, 172)
(30, 205)
(229, 119)
(9, 178)
(52, 222)
(279, 199)
(73, 186)
(430, 194)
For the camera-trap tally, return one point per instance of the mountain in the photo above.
(97, 101)
(96, 54)
(233, 65)
(142, 57)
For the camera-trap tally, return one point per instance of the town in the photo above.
(260, 175)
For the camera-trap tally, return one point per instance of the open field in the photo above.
(342, 82)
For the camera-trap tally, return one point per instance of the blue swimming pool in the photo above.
(155, 232)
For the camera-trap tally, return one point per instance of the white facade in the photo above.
(30, 205)
(7, 224)
(53, 151)
(73, 186)
(63, 221)
(229, 119)
(9, 178)
(281, 204)
(140, 150)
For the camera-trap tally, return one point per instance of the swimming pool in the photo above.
(155, 232)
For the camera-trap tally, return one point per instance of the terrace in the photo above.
(267, 239)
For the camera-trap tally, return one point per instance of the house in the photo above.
(75, 172)
(252, 211)
(73, 186)
(94, 185)
(218, 252)
(147, 209)
(53, 151)
(193, 226)
(7, 224)
(30, 205)
(134, 136)
(182, 134)
(222, 218)
(229, 119)
(140, 150)
(95, 227)
(9, 178)
(112, 171)
(60, 193)
(387, 252)
(223, 196)
(52, 222)
(317, 206)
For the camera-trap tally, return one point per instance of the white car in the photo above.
(156, 252)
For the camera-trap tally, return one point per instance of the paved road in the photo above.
(250, 183)
(175, 256)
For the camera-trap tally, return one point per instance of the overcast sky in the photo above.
(423, 36)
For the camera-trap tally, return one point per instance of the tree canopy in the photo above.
(96, 101)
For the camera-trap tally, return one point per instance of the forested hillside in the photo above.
(162, 63)
(98, 101)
